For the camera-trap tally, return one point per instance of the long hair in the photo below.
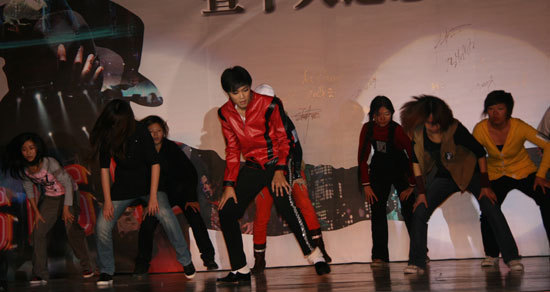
(379, 102)
(13, 161)
(113, 127)
(153, 119)
(417, 111)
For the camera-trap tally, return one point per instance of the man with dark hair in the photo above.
(252, 125)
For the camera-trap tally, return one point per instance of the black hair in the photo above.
(152, 119)
(13, 161)
(235, 77)
(112, 128)
(499, 97)
(379, 102)
(417, 111)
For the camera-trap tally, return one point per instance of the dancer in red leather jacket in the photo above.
(300, 194)
(252, 125)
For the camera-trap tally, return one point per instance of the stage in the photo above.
(444, 275)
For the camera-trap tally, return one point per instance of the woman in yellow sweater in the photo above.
(509, 164)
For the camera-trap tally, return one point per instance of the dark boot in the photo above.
(259, 262)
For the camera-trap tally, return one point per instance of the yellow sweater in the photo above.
(513, 161)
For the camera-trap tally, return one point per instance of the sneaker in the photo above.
(105, 280)
(235, 279)
(489, 262)
(140, 270)
(189, 271)
(322, 268)
(210, 264)
(515, 265)
(378, 263)
(412, 269)
(87, 274)
(37, 281)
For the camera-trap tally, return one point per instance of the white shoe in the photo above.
(489, 262)
(412, 269)
(515, 265)
(37, 281)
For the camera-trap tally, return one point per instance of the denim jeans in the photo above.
(168, 220)
(437, 192)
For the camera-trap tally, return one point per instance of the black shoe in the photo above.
(321, 245)
(210, 264)
(3, 285)
(140, 270)
(189, 271)
(105, 280)
(237, 278)
(259, 262)
(322, 268)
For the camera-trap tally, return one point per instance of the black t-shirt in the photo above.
(460, 137)
(133, 172)
(178, 176)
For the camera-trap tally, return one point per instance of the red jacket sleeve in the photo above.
(363, 156)
(403, 142)
(283, 143)
(232, 152)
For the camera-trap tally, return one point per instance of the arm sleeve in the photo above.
(63, 177)
(295, 148)
(276, 121)
(414, 159)
(151, 154)
(232, 152)
(104, 158)
(363, 155)
(190, 176)
(403, 143)
(544, 126)
(464, 138)
(542, 141)
(28, 186)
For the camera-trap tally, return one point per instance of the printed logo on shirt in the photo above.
(381, 146)
(449, 155)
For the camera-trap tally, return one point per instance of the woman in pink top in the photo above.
(25, 160)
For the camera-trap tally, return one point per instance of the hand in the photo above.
(193, 205)
(421, 199)
(406, 194)
(108, 210)
(228, 193)
(279, 184)
(301, 182)
(78, 73)
(487, 192)
(67, 216)
(369, 195)
(539, 181)
(247, 228)
(153, 206)
(38, 218)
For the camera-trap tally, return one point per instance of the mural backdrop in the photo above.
(326, 59)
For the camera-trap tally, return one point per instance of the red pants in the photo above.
(264, 201)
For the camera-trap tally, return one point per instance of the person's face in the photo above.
(241, 97)
(431, 127)
(382, 117)
(157, 133)
(28, 150)
(498, 113)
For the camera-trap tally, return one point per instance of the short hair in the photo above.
(417, 111)
(379, 102)
(153, 119)
(235, 77)
(499, 97)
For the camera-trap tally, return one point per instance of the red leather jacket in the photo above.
(261, 138)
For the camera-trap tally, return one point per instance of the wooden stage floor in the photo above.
(448, 275)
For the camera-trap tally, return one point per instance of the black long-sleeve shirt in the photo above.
(178, 176)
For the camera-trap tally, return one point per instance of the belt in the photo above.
(256, 165)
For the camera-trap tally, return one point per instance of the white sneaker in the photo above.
(489, 262)
(37, 281)
(515, 265)
(412, 269)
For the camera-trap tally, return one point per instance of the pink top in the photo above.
(52, 187)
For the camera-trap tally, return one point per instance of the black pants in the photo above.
(437, 192)
(249, 183)
(502, 187)
(147, 231)
(381, 183)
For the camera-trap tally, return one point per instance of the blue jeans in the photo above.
(168, 220)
